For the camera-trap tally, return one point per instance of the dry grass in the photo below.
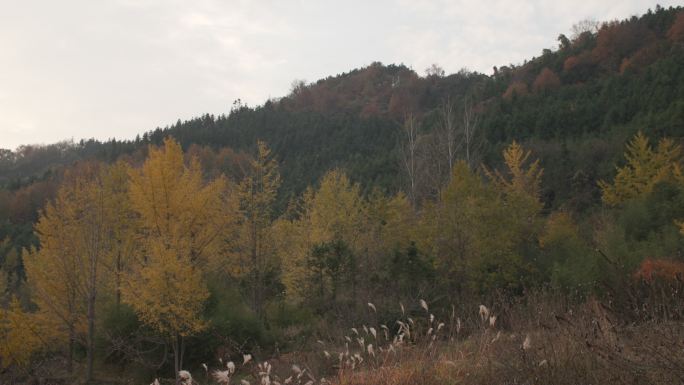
(536, 339)
(544, 344)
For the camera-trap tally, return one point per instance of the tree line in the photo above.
(162, 243)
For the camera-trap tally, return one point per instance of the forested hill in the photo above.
(574, 106)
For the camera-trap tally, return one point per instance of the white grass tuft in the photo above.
(185, 377)
(222, 377)
(527, 344)
(423, 304)
(484, 312)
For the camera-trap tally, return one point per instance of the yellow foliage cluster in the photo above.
(151, 236)
(477, 230)
(645, 167)
(21, 335)
(336, 211)
(116, 233)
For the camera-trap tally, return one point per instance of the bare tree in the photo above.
(471, 140)
(409, 150)
(449, 131)
(434, 70)
(459, 140)
(582, 26)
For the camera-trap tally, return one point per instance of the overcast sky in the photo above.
(90, 68)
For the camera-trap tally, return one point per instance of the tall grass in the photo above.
(632, 337)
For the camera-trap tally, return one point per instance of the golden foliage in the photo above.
(644, 169)
(333, 212)
(522, 178)
(179, 219)
(559, 227)
(168, 293)
(252, 248)
(20, 335)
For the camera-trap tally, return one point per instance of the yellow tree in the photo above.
(333, 212)
(523, 177)
(21, 335)
(254, 246)
(388, 222)
(565, 252)
(180, 219)
(120, 225)
(520, 189)
(645, 167)
(506, 222)
(65, 274)
(387, 229)
(448, 229)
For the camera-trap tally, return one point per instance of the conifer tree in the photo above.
(254, 247)
(645, 167)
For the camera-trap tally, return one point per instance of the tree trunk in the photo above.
(91, 337)
(176, 356)
(256, 288)
(70, 356)
(119, 269)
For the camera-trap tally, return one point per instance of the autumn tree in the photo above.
(513, 226)
(120, 225)
(618, 40)
(546, 80)
(676, 32)
(447, 228)
(333, 212)
(645, 167)
(522, 175)
(65, 274)
(179, 220)
(515, 89)
(389, 225)
(254, 247)
(22, 334)
(566, 257)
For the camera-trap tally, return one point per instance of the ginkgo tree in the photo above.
(21, 335)
(66, 273)
(179, 222)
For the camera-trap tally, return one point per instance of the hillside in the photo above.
(559, 176)
(573, 107)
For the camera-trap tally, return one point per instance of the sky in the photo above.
(74, 69)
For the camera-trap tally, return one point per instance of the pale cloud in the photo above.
(83, 68)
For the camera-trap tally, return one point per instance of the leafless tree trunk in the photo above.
(449, 131)
(471, 140)
(409, 149)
